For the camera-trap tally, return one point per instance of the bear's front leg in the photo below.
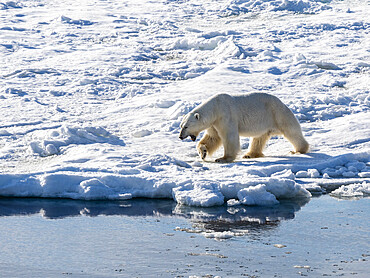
(256, 146)
(231, 144)
(210, 142)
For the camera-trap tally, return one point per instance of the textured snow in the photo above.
(352, 190)
(92, 95)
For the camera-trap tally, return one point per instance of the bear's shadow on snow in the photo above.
(218, 219)
(297, 162)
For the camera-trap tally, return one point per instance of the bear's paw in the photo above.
(202, 151)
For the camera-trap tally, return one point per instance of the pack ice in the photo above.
(92, 96)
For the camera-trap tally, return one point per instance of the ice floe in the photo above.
(92, 97)
(352, 190)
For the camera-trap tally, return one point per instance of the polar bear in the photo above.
(226, 117)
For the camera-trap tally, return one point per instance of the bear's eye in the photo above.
(185, 127)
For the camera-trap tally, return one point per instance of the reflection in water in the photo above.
(215, 219)
(61, 208)
(239, 220)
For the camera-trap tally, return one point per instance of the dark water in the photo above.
(157, 238)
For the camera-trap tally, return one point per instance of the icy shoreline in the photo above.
(194, 185)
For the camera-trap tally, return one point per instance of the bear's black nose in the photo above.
(182, 138)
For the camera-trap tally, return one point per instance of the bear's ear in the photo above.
(197, 116)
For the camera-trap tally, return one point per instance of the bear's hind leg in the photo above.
(210, 142)
(297, 140)
(256, 146)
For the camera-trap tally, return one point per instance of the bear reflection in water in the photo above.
(216, 219)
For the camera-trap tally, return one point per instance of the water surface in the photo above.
(158, 238)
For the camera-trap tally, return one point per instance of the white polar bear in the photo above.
(256, 115)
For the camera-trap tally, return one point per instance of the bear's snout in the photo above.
(192, 137)
(182, 135)
(185, 134)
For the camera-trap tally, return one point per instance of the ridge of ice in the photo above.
(352, 190)
(237, 7)
(50, 142)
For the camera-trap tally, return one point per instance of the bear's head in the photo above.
(191, 126)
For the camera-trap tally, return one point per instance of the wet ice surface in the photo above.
(158, 238)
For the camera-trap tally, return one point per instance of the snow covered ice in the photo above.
(92, 95)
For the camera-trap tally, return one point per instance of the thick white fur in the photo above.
(226, 117)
